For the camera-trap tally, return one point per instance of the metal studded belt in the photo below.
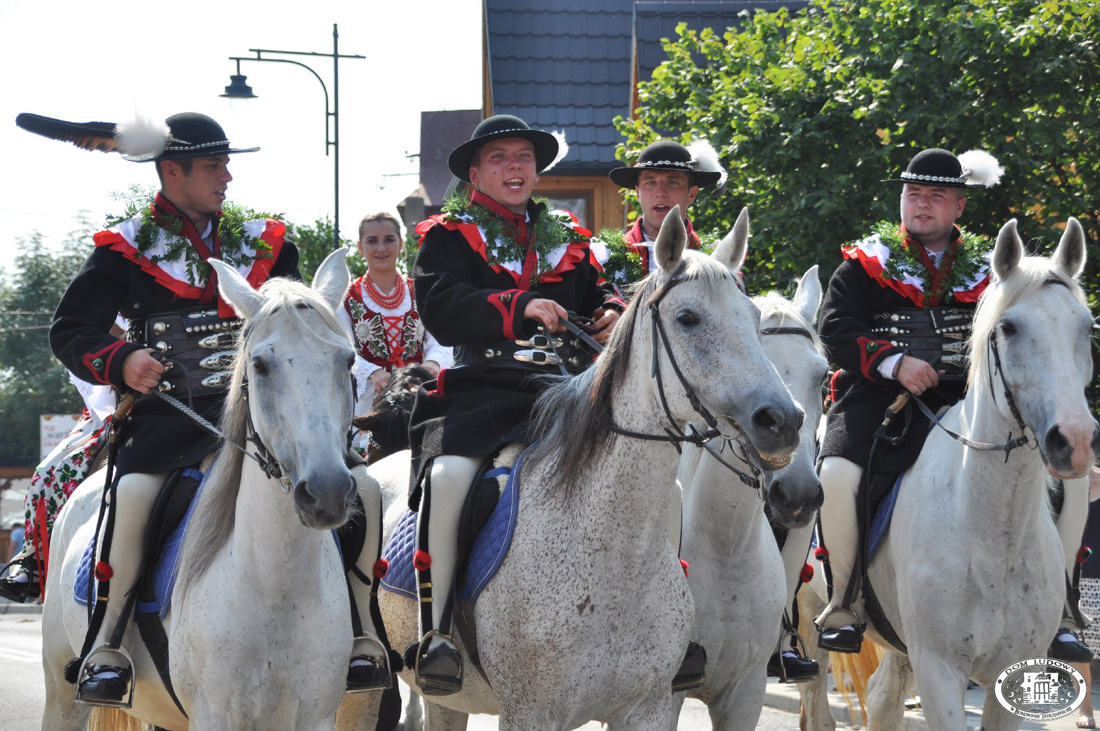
(928, 334)
(533, 354)
(197, 346)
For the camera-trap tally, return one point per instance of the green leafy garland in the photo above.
(552, 230)
(903, 261)
(231, 236)
(623, 267)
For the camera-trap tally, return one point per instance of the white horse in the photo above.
(259, 628)
(971, 574)
(736, 574)
(588, 617)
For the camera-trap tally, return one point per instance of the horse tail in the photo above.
(113, 719)
(851, 671)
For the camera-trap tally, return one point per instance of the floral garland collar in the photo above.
(552, 230)
(236, 246)
(905, 261)
(624, 265)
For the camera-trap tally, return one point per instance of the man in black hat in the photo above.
(152, 270)
(883, 327)
(666, 175)
(491, 271)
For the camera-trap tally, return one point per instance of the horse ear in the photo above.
(236, 290)
(807, 298)
(671, 240)
(732, 249)
(332, 278)
(1008, 250)
(1070, 254)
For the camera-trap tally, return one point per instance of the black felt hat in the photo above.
(185, 135)
(548, 147)
(938, 167)
(667, 155)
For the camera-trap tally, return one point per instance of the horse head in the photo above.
(1031, 348)
(792, 345)
(294, 373)
(715, 339)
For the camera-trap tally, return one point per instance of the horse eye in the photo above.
(351, 361)
(1008, 329)
(258, 365)
(687, 318)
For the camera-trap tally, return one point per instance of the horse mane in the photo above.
(571, 417)
(1028, 276)
(215, 510)
(774, 304)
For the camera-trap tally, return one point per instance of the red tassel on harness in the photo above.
(103, 571)
(1084, 554)
(422, 560)
(684, 565)
(807, 573)
(381, 568)
(821, 554)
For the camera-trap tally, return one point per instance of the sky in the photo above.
(111, 61)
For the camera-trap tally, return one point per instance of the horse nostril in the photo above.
(1095, 444)
(1055, 442)
(768, 419)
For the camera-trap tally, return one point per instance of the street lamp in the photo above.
(239, 89)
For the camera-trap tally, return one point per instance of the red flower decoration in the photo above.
(422, 560)
(381, 568)
(807, 573)
(1084, 554)
(821, 553)
(684, 566)
(103, 571)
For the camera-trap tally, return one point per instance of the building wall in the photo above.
(602, 201)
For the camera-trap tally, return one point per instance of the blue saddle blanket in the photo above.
(880, 524)
(164, 574)
(488, 551)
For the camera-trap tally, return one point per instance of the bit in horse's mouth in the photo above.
(777, 462)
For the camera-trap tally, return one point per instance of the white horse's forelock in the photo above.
(1032, 273)
(774, 304)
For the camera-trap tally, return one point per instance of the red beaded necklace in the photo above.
(387, 302)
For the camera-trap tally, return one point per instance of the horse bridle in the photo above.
(673, 434)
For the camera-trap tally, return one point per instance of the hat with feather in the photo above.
(550, 147)
(698, 159)
(180, 136)
(937, 167)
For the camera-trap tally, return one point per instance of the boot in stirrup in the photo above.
(692, 672)
(791, 665)
(848, 639)
(438, 664)
(108, 681)
(369, 668)
(21, 583)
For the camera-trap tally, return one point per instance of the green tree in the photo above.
(810, 112)
(315, 243)
(32, 381)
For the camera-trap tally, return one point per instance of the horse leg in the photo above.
(942, 688)
(995, 717)
(358, 712)
(738, 705)
(814, 713)
(886, 692)
(441, 718)
(62, 712)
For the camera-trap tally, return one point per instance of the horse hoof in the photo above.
(844, 639)
(438, 666)
(104, 685)
(692, 672)
(792, 668)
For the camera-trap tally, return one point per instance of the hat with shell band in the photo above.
(698, 159)
(938, 167)
(550, 148)
(185, 135)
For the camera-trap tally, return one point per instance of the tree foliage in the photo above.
(315, 243)
(811, 112)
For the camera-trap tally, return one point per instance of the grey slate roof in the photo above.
(566, 64)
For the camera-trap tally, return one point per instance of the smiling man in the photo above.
(491, 270)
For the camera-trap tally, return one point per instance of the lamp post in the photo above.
(239, 89)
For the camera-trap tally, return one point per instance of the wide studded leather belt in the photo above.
(930, 333)
(535, 354)
(198, 349)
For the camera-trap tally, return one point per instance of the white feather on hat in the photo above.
(980, 168)
(563, 150)
(706, 158)
(142, 138)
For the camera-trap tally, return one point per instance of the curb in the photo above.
(7, 607)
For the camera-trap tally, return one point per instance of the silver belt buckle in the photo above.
(219, 361)
(540, 341)
(538, 357)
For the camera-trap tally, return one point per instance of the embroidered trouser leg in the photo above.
(371, 495)
(840, 531)
(1071, 528)
(133, 502)
(441, 505)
